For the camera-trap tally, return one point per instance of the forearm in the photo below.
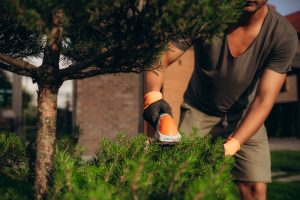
(254, 118)
(267, 90)
(154, 79)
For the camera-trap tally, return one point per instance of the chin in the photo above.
(250, 9)
(252, 6)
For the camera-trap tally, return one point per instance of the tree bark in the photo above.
(46, 140)
(48, 83)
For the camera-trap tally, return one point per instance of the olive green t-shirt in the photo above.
(221, 83)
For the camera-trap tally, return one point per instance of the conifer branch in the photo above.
(93, 71)
(112, 167)
(199, 196)
(72, 73)
(183, 166)
(17, 66)
(17, 62)
(136, 179)
(78, 67)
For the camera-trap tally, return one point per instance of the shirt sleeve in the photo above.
(183, 43)
(280, 58)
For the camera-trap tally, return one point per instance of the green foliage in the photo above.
(125, 168)
(12, 152)
(13, 168)
(15, 188)
(130, 168)
(16, 37)
(283, 191)
(131, 33)
(200, 19)
(286, 161)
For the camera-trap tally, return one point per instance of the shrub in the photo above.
(130, 168)
(124, 168)
(13, 168)
(12, 153)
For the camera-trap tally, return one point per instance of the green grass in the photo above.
(283, 191)
(287, 161)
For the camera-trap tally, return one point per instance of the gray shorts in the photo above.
(252, 162)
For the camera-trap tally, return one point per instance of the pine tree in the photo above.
(94, 37)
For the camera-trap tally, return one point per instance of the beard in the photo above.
(251, 6)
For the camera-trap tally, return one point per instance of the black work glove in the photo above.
(152, 112)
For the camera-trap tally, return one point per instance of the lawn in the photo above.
(288, 162)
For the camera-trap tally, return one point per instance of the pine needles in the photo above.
(128, 168)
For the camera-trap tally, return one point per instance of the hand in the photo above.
(154, 110)
(231, 146)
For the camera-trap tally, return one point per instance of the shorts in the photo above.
(252, 162)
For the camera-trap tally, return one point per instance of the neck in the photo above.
(253, 18)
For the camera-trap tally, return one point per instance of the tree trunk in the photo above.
(46, 140)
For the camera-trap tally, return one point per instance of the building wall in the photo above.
(106, 105)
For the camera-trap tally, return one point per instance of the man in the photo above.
(233, 88)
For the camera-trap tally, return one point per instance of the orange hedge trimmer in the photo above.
(158, 113)
(166, 130)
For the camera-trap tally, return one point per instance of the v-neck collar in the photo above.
(252, 43)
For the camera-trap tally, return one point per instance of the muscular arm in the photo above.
(267, 91)
(154, 81)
